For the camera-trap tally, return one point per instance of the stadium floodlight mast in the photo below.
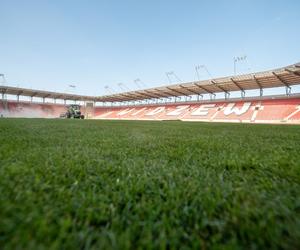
(172, 73)
(168, 76)
(71, 87)
(2, 79)
(139, 83)
(237, 59)
(123, 87)
(136, 81)
(202, 66)
(109, 90)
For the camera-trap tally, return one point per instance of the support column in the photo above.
(243, 93)
(212, 96)
(261, 92)
(198, 97)
(227, 94)
(288, 90)
(18, 98)
(188, 98)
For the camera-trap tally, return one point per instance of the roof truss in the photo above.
(236, 84)
(176, 91)
(257, 81)
(203, 88)
(191, 91)
(280, 79)
(218, 86)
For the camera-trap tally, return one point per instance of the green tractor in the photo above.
(73, 112)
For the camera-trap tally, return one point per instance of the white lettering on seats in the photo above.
(255, 109)
(156, 111)
(229, 109)
(203, 109)
(178, 110)
(217, 112)
(292, 114)
(105, 114)
(124, 112)
(139, 111)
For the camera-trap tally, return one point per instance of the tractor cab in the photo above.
(74, 112)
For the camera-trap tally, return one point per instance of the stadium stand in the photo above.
(262, 110)
(276, 109)
(31, 110)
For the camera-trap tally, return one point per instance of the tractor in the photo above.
(73, 112)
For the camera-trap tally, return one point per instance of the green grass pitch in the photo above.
(84, 184)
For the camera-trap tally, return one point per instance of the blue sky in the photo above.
(91, 44)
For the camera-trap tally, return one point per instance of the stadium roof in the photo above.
(282, 77)
(43, 94)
